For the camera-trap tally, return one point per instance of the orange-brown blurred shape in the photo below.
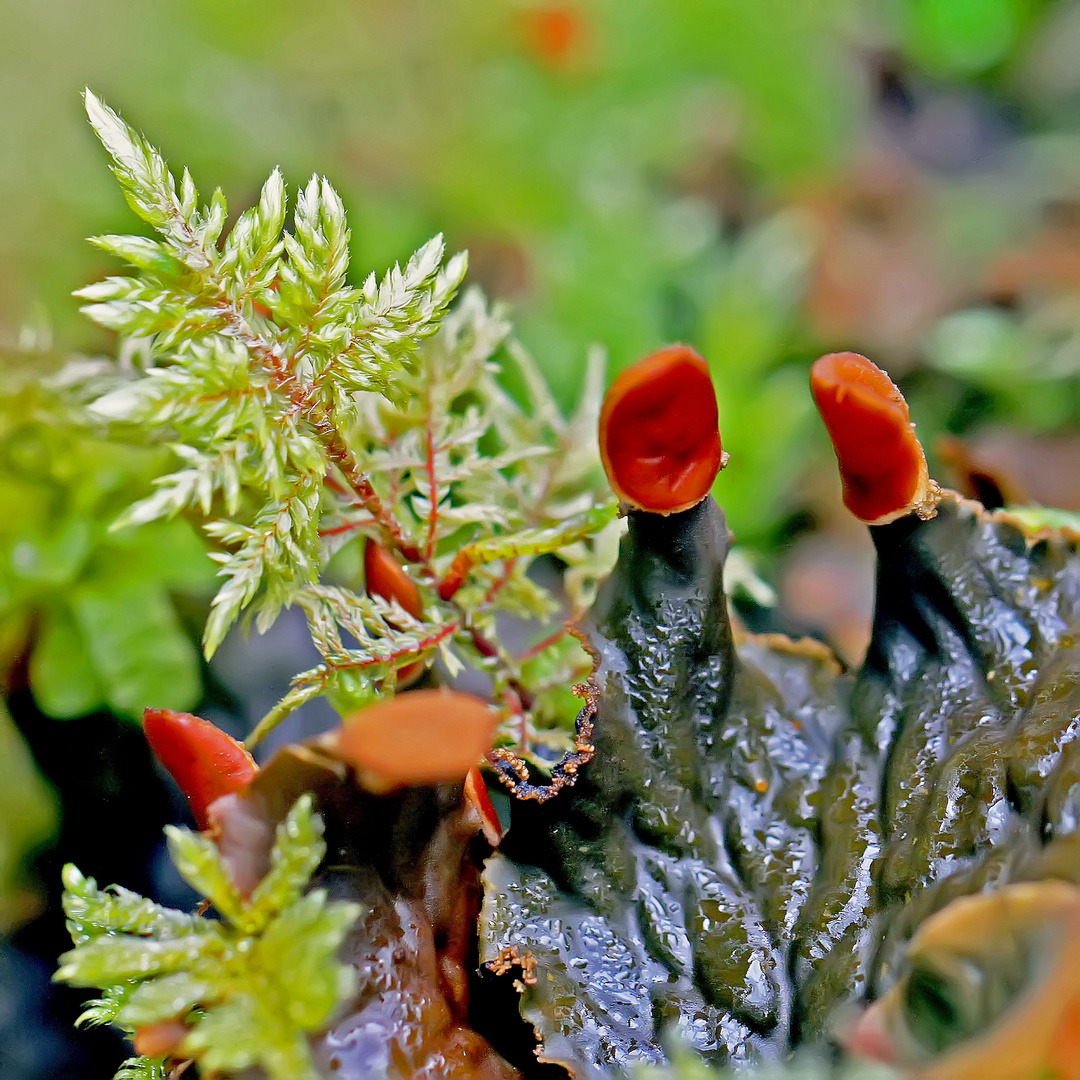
(990, 991)
(422, 737)
(556, 34)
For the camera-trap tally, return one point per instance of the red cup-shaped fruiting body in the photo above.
(205, 761)
(882, 464)
(422, 737)
(659, 438)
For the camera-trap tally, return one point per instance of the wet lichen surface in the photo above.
(760, 835)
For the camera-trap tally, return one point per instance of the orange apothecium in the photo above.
(882, 464)
(386, 578)
(659, 437)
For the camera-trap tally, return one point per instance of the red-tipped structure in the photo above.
(882, 464)
(476, 794)
(160, 1040)
(204, 761)
(387, 579)
(659, 437)
(423, 737)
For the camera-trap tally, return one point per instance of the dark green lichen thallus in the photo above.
(759, 835)
(968, 703)
(663, 892)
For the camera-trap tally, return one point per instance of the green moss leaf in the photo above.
(163, 999)
(117, 958)
(250, 986)
(301, 946)
(298, 851)
(92, 912)
(141, 1068)
(200, 864)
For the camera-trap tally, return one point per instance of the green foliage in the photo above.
(755, 288)
(27, 819)
(606, 186)
(1045, 517)
(94, 608)
(598, 189)
(249, 986)
(141, 1068)
(307, 414)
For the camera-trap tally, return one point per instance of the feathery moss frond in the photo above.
(250, 986)
(141, 1068)
(308, 414)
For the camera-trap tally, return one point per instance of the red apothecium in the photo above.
(659, 438)
(882, 464)
(387, 579)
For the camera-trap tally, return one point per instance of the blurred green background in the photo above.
(764, 179)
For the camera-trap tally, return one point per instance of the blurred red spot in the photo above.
(659, 439)
(555, 33)
(882, 465)
(869, 1038)
(205, 761)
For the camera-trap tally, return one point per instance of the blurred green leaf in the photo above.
(61, 674)
(137, 646)
(172, 551)
(961, 37)
(27, 819)
(52, 559)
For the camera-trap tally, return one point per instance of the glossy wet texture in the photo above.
(662, 891)
(756, 839)
(759, 835)
(659, 439)
(882, 465)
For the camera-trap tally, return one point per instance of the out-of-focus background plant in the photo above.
(765, 181)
